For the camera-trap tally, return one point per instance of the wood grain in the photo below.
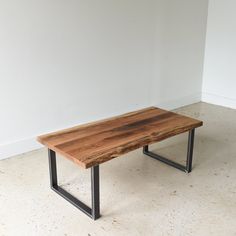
(95, 143)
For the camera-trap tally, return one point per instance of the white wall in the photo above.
(69, 62)
(180, 45)
(219, 82)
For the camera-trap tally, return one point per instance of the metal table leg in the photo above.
(93, 212)
(188, 167)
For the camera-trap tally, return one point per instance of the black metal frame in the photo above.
(188, 167)
(93, 212)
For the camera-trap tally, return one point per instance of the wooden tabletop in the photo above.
(95, 143)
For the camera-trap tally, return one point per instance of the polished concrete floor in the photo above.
(139, 195)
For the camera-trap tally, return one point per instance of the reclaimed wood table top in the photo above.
(95, 143)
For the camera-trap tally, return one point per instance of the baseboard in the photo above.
(180, 102)
(218, 100)
(18, 147)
